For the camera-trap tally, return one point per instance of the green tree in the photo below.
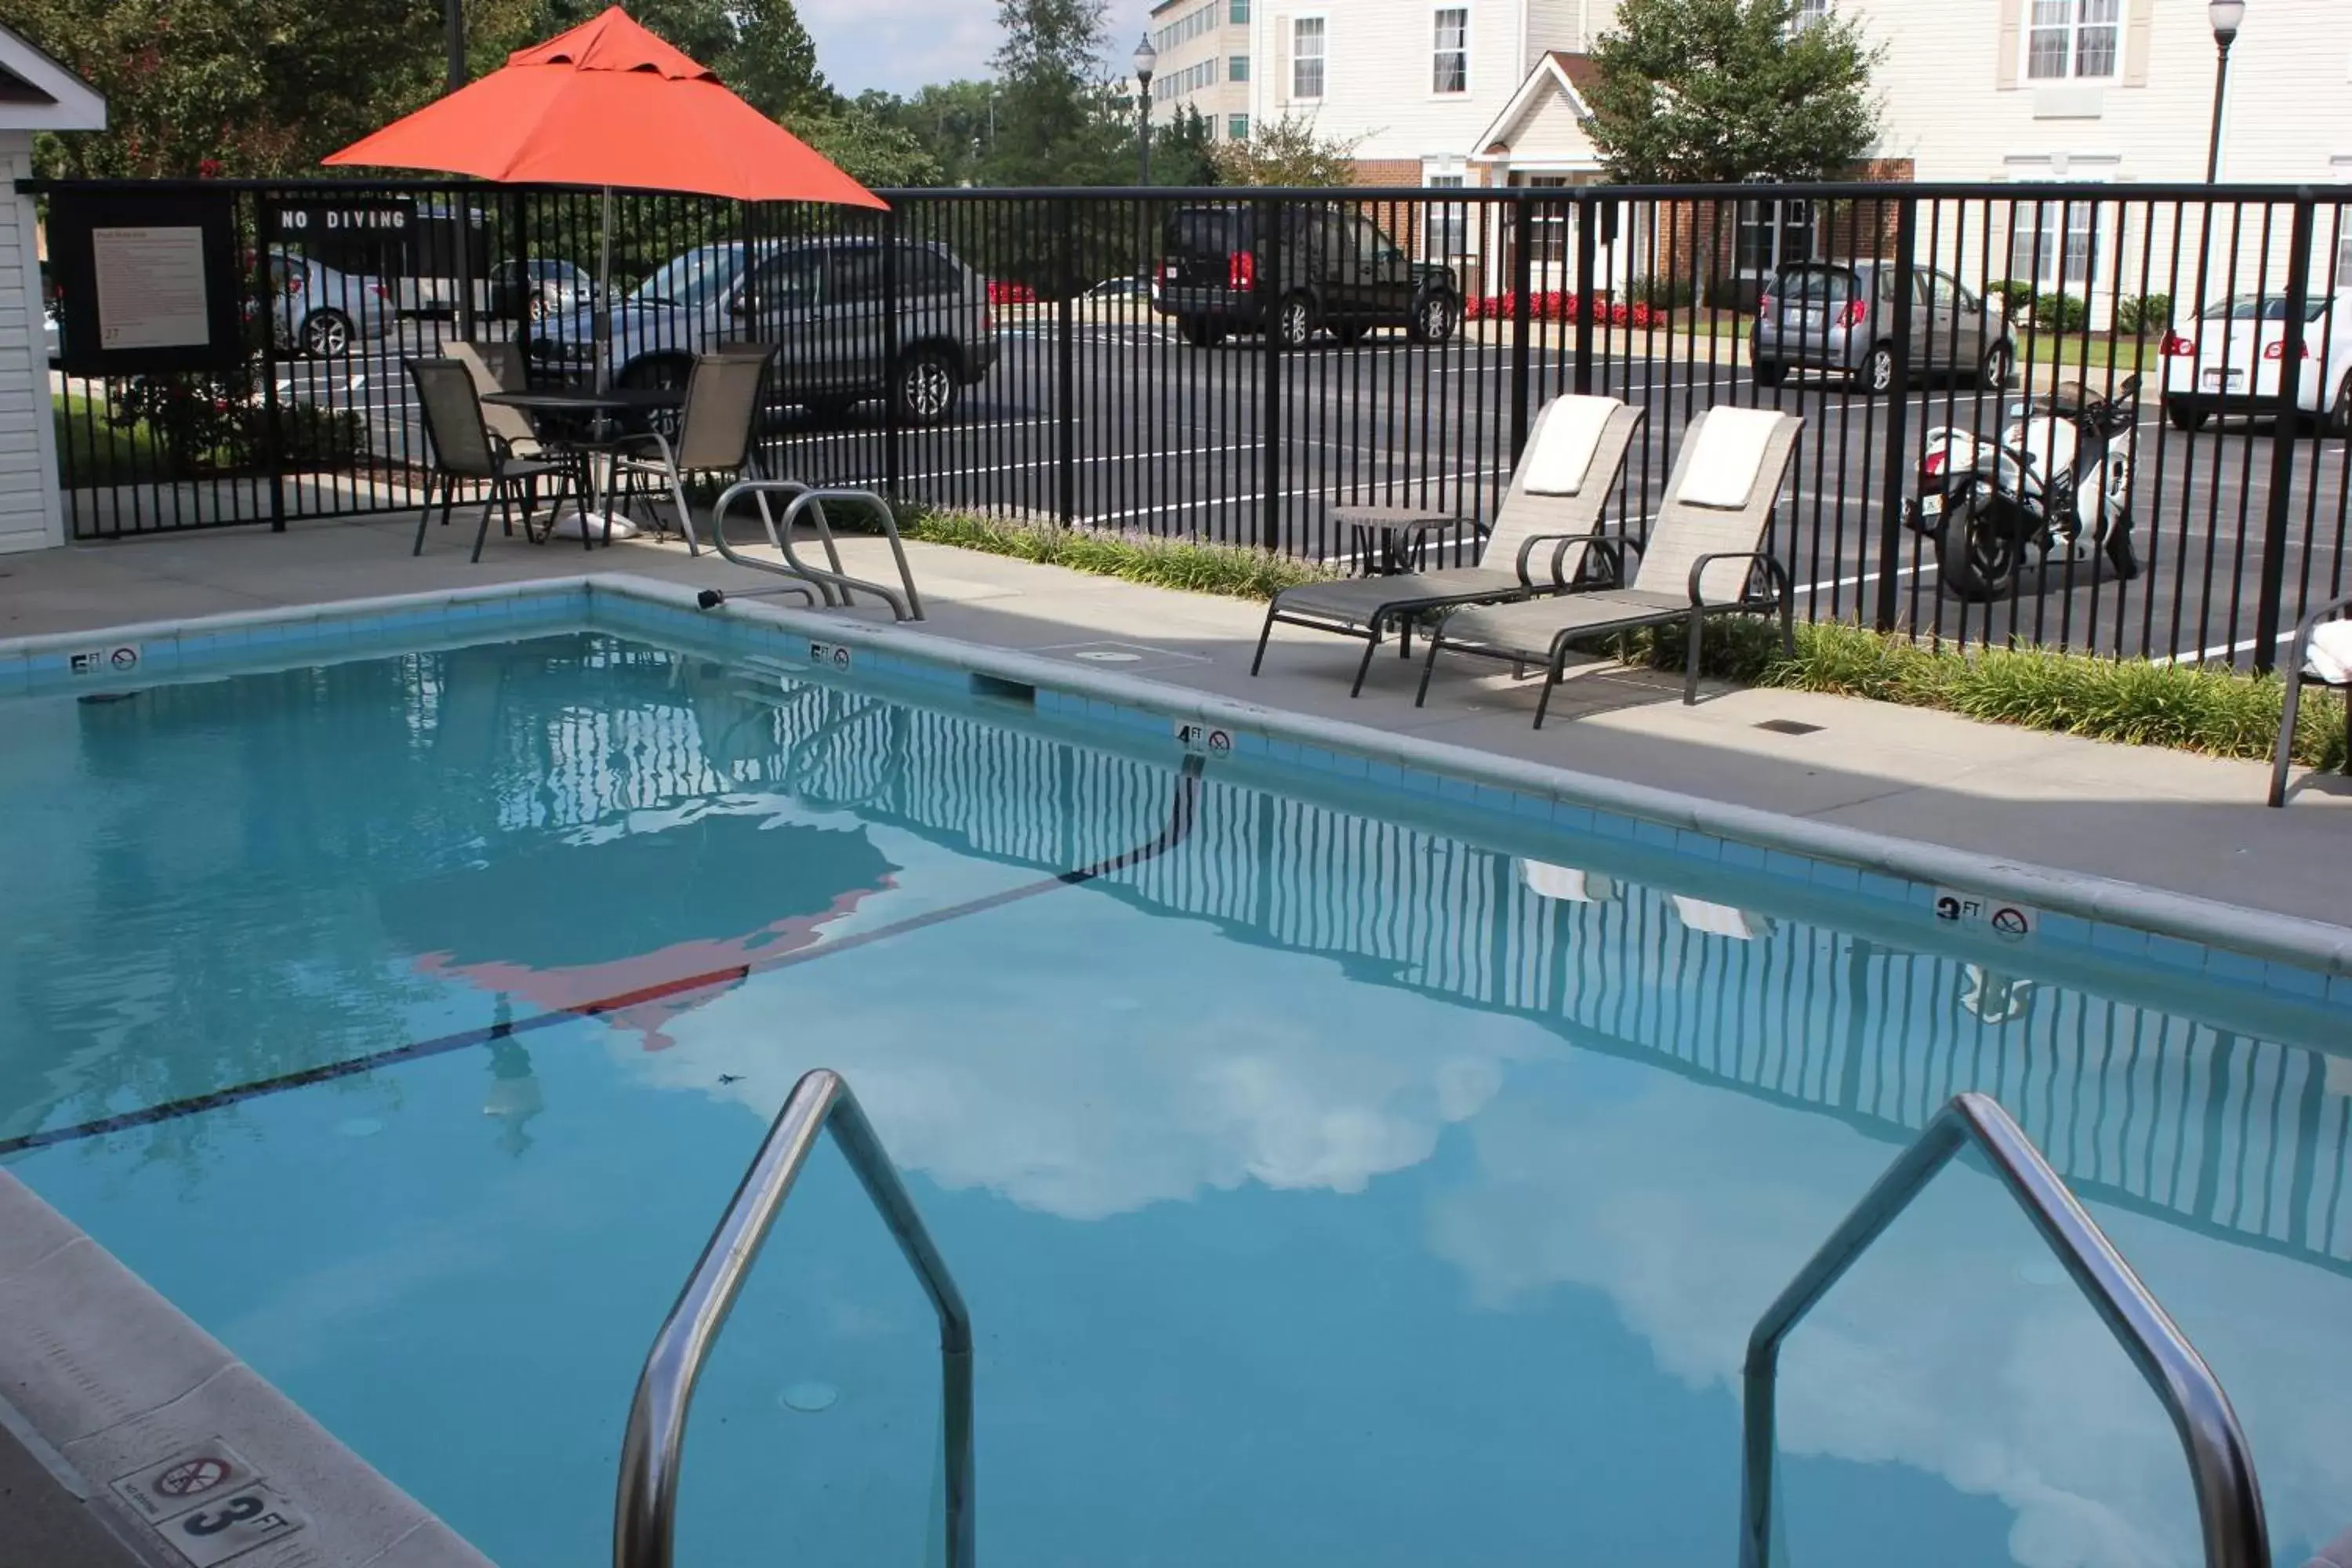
(870, 146)
(1287, 152)
(1056, 122)
(1692, 91)
(1184, 150)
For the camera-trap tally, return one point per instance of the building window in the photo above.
(1189, 25)
(1807, 14)
(2342, 278)
(1237, 68)
(1306, 57)
(1185, 82)
(1446, 237)
(2054, 244)
(2072, 39)
(1451, 72)
(1237, 125)
(1767, 236)
(1240, 12)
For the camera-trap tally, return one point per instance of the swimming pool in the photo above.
(1335, 1176)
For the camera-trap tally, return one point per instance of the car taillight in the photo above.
(1936, 462)
(2278, 350)
(1241, 270)
(1856, 310)
(1765, 305)
(379, 291)
(2178, 347)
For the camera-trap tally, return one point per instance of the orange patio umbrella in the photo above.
(609, 104)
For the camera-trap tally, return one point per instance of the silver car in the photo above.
(1840, 317)
(821, 304)
(324, 312)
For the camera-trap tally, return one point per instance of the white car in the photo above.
(324, 312)
(2228, 359)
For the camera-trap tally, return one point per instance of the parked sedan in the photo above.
(2228, 359)
(537, 289)
(322, 312)
(1840, 317)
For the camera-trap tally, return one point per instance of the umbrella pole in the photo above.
(605, 297)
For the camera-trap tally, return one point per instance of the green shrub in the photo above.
(2016, 299)
(2060, 313)
(1223, 569)
(2138, 313)
(1662, 294)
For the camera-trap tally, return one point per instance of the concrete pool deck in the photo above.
(2164, 819)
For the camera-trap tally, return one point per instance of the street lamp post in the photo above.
(1146, 56)
(2227, 16)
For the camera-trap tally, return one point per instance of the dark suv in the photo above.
(1330, 270)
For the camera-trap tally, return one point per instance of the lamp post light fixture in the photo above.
(1146, 57)
(2227, 16)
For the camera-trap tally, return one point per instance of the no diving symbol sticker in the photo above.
(829, 655)
(191, 1479)
(1201, 738)
(2015, 921)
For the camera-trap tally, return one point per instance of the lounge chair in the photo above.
(1721, 920)
(2320, 655)
(1566, 884)
(1565, 479)
(1702, 558)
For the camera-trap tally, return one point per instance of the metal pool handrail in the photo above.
(2228, 1499)
(644, 1514)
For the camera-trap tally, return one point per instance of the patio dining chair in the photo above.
(1565, 477)
(1704, 557)
(466, 451)
(499, 367)
(714, 436)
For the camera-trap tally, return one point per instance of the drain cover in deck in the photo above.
(1790, 727)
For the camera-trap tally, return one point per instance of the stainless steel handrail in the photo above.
(644, 1515)
(906, 601)
(2228, 1499)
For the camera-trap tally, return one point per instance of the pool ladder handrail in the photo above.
(644, 1511)
(2229, 1498)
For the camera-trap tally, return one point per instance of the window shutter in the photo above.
(2004, 64)
(2139, 21)
(1281, 59)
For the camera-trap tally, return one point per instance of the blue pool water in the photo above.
(1325, 1190)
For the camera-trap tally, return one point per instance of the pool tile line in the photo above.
(1183, 815)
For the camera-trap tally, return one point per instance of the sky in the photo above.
(899, 45)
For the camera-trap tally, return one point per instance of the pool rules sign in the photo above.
(208, 1504)
(147, 281)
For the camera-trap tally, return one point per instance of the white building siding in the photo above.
(1379, 73)
(30, 512)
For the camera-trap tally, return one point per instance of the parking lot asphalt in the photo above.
(1169, 439)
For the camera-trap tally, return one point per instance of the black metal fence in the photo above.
(1108, 362)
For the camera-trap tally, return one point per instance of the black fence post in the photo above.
(273, 420)
(1587, 217)
(893, 424)
(1522, 308)
(1267, 279)
(2269, 609)
(1898, 414)
(1065, 417)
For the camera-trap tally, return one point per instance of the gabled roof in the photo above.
(1558, 71)
(36, 93)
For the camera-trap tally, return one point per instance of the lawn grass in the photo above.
(2210, 708)
(93, 451)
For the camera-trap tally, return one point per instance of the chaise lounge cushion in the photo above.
(1724, 468)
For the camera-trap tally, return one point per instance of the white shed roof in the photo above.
(38, 94)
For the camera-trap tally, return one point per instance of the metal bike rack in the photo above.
(2228, 1499)
(644, 1511)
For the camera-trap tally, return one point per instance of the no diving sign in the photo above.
(1201, 738)
(208, 1504)
(2015, 921)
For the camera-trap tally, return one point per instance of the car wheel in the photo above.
(1434, 317)
(926, 389)
(1201, 333)
(2340, 413)
(1768, 374)
(326, 334)
(1993, 370)
(1294, 322)
(538, 307)
(2184, 414)
(1877, 373)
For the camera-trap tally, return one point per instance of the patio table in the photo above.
(603, 411)
(1389, 539)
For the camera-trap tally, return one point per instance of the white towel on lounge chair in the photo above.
(1564, 446)
(2328, 656)
(1723, 470)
